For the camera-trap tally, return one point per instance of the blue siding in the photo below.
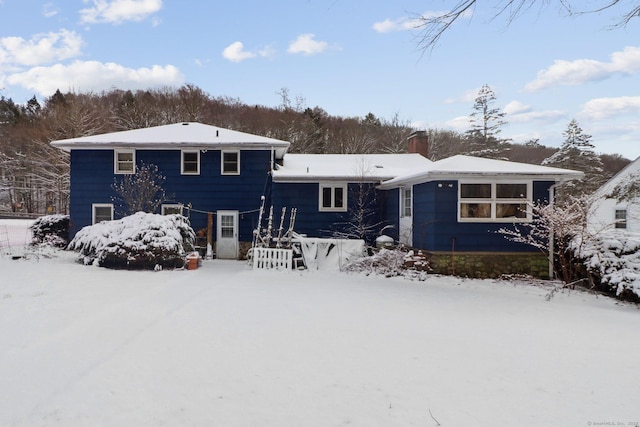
(210, 191)
(390, 200)
(436, 226)
(312, 222)
(91, 179)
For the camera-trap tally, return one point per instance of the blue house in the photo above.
(207, 169)
(454, 205)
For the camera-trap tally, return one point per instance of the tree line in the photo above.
(34, 177)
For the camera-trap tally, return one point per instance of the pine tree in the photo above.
(577, 153)
(486, 122)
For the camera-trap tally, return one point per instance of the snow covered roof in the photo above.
(459, 166)
(373, 167)
(625, 173)
(178, 135)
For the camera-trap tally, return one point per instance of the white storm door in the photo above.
(227, 235)
(406, 216)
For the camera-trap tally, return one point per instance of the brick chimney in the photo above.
(419, 142)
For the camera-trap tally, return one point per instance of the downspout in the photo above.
(552, 198)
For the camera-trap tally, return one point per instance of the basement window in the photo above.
(171, 209)
(494, 202)
(101, 212)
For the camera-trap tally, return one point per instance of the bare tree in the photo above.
(141, 191)
(434, 26)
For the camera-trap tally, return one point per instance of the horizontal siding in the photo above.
(436, 227)
(92, 176)
(312, 222)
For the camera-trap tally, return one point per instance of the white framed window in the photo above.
(230, 162)
(171, 209)
(190, 162)
(101, 212)
(406, 201)
(621, 218)
(332, 197)
(124, 161)
(494, 201)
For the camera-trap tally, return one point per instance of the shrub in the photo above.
(612, 260)
(51, 230)
(140, 241)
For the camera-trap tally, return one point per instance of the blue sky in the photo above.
(348, 57)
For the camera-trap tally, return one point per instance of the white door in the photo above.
(406, 216)
(227, 235)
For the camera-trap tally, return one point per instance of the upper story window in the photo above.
(190, 162)
(621, 218)
(101, 212)
(124, 161)
(406, 201)
(491, 201)
(333, 197)
(230, 163)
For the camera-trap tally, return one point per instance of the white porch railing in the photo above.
(272, 258)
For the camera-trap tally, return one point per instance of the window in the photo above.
(501, 202)
(190, 162)
(124, 161)
(102, 212)
(333, 197)
(227, 226)
(171, 209)
(406, 201)
(621, 218)
(230, 163)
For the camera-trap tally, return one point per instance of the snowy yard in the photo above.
(227, 346)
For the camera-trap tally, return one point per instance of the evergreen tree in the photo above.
(577, 153)
(486, 122)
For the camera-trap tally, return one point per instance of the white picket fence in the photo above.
(272, 258)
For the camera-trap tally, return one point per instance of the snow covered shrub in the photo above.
(612, 259)
(139, 241)
(390, 263)
(51, 230)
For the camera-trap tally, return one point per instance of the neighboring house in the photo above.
(450, 206)
(608, 213)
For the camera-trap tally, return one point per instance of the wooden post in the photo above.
(209, 233)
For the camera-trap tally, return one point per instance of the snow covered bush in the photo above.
(612, 259)
(139, 241)
(389, 263)
(51, 230)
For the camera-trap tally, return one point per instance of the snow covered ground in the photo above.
(227, 346)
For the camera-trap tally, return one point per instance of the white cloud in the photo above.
(602, 108)
(516, 107)
(306, 45)
(49, 10)
(407, 23)
(40, 49)
(86, 76)
(235, 52)
(517, 112)
(581, 71)
(118, 11)
(459, 123)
